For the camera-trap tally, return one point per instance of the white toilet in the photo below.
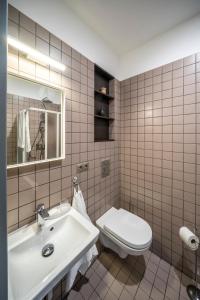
(124, 232)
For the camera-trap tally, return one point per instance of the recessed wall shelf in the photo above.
(110, 140)
(105, 118)
(102, 121)
(104, 95)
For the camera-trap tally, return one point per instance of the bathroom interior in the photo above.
(100, 149)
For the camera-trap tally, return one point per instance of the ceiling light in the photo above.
(34, 54)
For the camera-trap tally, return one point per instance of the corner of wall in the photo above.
(179, 42)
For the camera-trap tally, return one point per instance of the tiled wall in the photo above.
(159, 115)
(160, 153)
(11, 129)
(52, 182)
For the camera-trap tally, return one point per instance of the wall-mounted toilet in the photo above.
(124, 232)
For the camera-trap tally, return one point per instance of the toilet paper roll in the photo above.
(189, 238)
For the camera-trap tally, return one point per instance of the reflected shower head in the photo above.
(46, 100)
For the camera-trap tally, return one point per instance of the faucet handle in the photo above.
(39, 208)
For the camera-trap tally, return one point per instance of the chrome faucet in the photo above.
(42, 214)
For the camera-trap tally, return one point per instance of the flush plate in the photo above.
(105, 168)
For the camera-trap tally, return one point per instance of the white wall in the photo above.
(177, 43)
(56, 17)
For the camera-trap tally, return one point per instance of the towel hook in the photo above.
(75, 182)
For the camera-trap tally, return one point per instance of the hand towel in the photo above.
(79, 204)
(71, 276)
(83, 264)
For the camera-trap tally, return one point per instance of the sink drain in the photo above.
(47, 250)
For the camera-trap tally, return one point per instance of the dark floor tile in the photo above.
(146, 286)
(141, 295)
(110, 296)
(102, 289)
(160, 284)
(116, 287)
(140, 278)
(94, 296)
(156, 294)
(125, 295)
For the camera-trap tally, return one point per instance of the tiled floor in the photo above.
(140, 278)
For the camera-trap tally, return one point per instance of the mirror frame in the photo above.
(62, 156)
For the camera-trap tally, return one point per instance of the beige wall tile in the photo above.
(158, 157)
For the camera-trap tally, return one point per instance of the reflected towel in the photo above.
(23, 139)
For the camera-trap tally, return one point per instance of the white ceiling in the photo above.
(128, 24)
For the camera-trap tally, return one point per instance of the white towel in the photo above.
(79, 204)
(23, 140)
(71, 276)
(83, 264)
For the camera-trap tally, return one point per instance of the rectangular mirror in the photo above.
(35, 122)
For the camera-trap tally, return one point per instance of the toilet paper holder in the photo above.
(194, 242)
(192, 290)
(189, 238)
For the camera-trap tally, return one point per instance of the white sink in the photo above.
(32, 276)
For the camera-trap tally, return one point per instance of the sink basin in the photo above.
(31, 275)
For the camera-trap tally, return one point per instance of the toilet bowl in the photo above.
(124, 232)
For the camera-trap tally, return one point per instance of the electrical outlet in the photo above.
(105, 167)
(82, 167)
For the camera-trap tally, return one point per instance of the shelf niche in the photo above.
(102, 118)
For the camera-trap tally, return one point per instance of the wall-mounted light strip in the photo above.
(34, 55)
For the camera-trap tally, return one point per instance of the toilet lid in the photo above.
(129, 229)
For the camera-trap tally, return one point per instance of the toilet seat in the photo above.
(130, 229)
(126, 229)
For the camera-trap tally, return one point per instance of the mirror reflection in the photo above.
(33, 121)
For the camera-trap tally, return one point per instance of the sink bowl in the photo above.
(32, 275)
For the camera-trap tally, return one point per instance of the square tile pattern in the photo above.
(160, 154)
(154, 170)
(52, 182)
(140, 278)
